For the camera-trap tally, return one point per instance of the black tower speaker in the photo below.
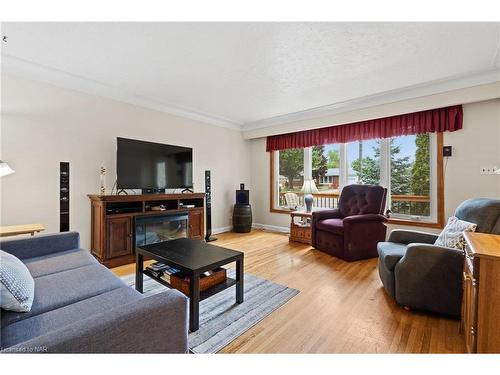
(242, 195)
(63, 196)
(208, 208)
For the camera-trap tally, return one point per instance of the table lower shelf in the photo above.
(229, 282)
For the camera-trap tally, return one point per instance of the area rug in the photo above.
(222, 320)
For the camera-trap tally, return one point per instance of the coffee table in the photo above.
(192, 257)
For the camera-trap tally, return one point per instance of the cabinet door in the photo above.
(119, 235)
(469, 308)
(195, 224)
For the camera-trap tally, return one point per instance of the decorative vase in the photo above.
(308, 200)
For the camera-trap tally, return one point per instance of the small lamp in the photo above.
(5, 169)
(308, 189)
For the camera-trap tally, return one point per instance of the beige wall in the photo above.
(43, 125)
(477, 144)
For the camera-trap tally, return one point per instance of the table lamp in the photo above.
(5, 169)
(308, 189)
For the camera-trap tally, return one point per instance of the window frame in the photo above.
(437, 184)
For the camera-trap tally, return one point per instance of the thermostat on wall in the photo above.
(446, 151)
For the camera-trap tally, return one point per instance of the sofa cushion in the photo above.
(390, 253)
(37, 325)
(64, 288)
(16, 284)
(335, 226)
(58, 262)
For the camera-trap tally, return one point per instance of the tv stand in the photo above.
(113, 220)
(187, 190)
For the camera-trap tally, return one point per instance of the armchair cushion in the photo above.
(390, 253)
(331, 225)
(362, 199)
(326, 214)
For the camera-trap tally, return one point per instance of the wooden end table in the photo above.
(300, 227)
(14, 230)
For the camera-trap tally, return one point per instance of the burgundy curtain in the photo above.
(431, 121)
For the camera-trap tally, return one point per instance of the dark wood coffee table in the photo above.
(192, 257)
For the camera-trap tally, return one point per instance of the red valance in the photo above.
(431, 121)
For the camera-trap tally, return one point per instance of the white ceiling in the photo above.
(243, 74)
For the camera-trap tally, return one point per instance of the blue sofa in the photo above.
(82, 307)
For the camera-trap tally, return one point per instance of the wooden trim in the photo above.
(439, 224)
(271, 183)
(415, 223)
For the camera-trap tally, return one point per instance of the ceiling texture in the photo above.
(248, 75)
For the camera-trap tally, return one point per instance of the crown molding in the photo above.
(410, 92)
(29, 70)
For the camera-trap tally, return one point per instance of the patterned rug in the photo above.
(222, 320)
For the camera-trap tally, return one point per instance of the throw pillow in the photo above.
(17, 287)
(451, 236)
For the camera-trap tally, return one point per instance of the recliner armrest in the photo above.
(422, 250)
(155, 324)
(406, 237)
(326, 214)
(364, 218)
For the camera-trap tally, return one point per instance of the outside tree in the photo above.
(291, 164)
(368, 168)
(319, 163)
(333, 159)
(420, 172)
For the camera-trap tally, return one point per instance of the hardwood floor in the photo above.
(341, 307)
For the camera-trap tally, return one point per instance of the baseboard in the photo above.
(221, 230)
(271, 228)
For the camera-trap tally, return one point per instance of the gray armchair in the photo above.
(423, 276)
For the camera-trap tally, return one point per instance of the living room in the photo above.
(250, 187)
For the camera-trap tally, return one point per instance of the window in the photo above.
(291, 177)
(329, 181)
(363, 162)
(410, 176)
(407, 166)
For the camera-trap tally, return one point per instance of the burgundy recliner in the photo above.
(352, 231)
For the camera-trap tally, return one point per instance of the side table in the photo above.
(300, 227)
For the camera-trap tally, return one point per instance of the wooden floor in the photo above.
(341, 307)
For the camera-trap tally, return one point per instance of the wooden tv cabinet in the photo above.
(112, 221)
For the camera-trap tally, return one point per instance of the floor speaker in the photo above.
(63, 196)
(242, 197)
(208, 207)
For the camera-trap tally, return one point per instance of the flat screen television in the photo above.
(153, 166)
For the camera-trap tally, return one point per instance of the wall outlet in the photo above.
(488, 169)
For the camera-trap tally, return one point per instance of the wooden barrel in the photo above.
(242, 218)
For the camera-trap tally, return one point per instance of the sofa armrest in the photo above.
(429, 277)
(155, 324)
(42, 244)
(325, 214)
(363, 218)
(410, 236)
